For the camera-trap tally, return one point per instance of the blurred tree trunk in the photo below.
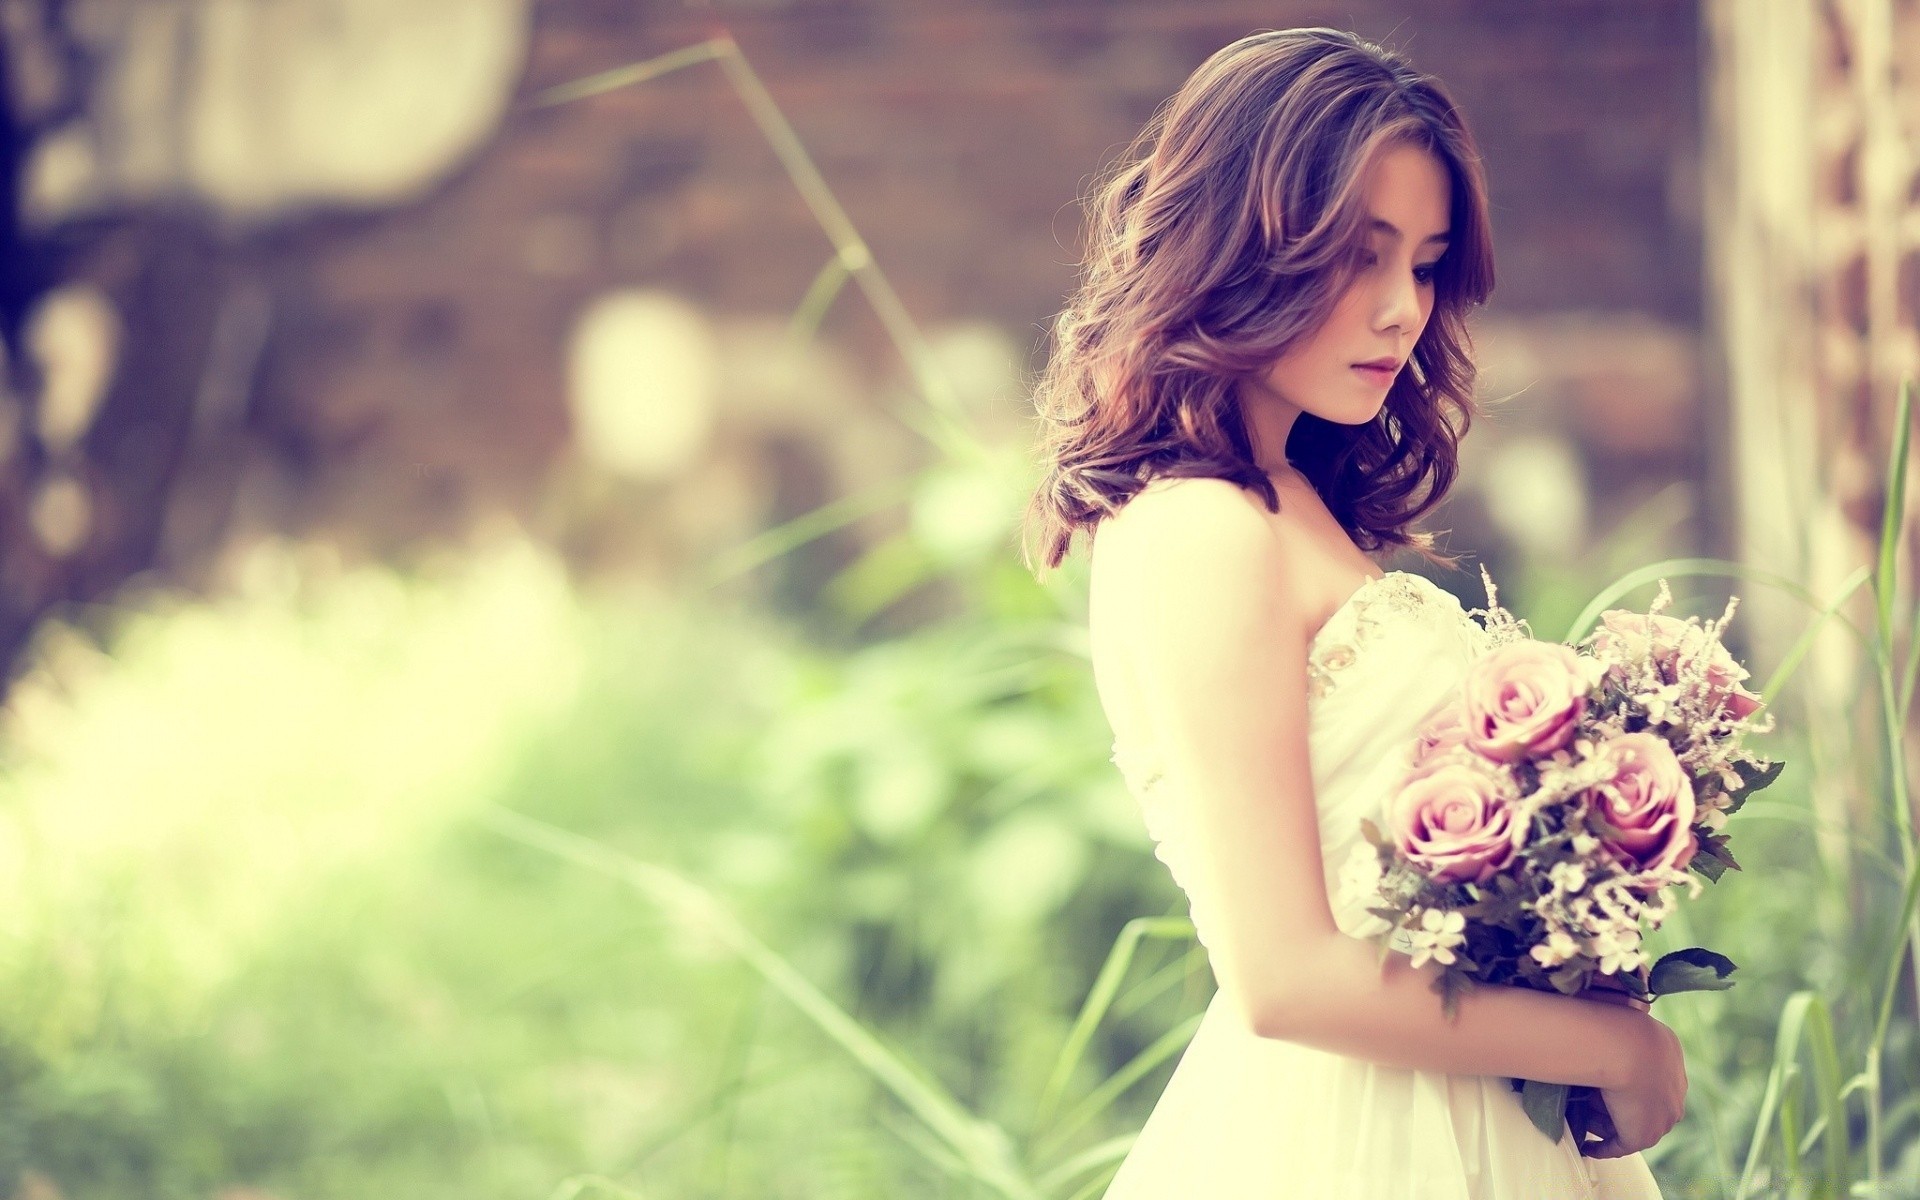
(1813, 232)
(158, 159)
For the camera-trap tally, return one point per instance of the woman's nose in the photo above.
(1400, 306)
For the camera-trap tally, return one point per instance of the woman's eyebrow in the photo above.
(1444, 235)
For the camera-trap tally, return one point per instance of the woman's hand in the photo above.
(1639, 1113)
(1586, 1112)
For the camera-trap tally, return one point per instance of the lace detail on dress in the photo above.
(1339, 642)
(1139, 773)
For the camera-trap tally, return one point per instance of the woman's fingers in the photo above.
(1608, 995)
(1587, 1114)
(1598, 1122)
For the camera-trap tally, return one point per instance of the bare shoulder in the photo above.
(1200, 547)
(1213, 512)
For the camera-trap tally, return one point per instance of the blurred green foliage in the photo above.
(263, 934)
(256, 935)
(259, 934)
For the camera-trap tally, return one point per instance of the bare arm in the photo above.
(1348, 1005)
(1219, 638)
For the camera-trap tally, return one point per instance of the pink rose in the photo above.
(1647, 804)
(1455, 821)
(1442, 733)
(1673, 646)
(1524, 698)
(1626, 636)
(1723, 684)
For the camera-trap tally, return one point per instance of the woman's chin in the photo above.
(1353, 417)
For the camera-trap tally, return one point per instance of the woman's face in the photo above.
(1382, 312)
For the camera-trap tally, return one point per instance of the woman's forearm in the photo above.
(1350, 1004)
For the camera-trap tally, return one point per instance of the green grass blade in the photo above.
(839, 227)
(1091, 1159)
(1102, 1097)
(827, 285)
(1152, 987)
(627, 76)
(1789, 1121)
(1905, 698)
(1791, 661)
(1913, 624)
(1794, 813)
(1896, 953)
(851, 253)
(1893, 515)
(1832, 1093)
(1793, 1016)
(983, 1146)
(783, 538)
(916, 1138)
(1611, 595)
(1898, 1117)
(1094, 1187)
(1099, 999)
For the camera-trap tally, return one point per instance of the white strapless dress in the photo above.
(1250, 1118)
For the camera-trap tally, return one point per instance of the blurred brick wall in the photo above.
(959, 138)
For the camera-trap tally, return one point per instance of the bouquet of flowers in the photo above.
(1555, 805)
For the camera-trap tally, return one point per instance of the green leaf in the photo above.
(1716, 845)
(1630, 982)
(1452, 984)
(1546, 1106)
(1709, 866)
(1753, 779)
(1691, 970)
(1712, 858)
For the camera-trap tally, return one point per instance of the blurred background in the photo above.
(519, 674)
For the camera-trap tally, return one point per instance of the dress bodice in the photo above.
(1249, 1117)
(1382, 663)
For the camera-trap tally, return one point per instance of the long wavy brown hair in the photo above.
(1224, 236)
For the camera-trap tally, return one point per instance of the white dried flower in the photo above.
(1659, 703)
(1558, 948)
(1618, 950)
(1568, 876)
(1361, 874)
(1438, 933)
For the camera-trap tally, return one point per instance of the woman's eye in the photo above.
(1425, 274)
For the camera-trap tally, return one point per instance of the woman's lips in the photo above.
(1379, 375)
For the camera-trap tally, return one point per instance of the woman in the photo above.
(1262, 382)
